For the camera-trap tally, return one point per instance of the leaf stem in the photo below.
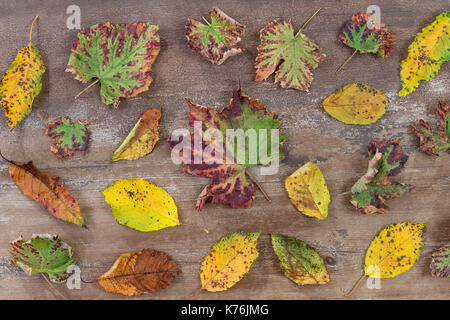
(355, 286)
(307, 21)
(194, 226)
(255, 181)
(31, 29)
(53, 287)
(194, 294)
(204, 19)
(348, 59)
(344, 193)
(87, 88)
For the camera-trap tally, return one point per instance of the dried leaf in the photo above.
(299, 261)
(426, 54)
(371, 191)
(308, 191)
(21, 83)
(119, 56)
(141, 205)
(440, 262)
(46, 189)
(218, 40)
(44, 254)
(142, 138)
(135, 273)
(67, 137)
(356, 103)
(229, 261)
(431, 141)
(294, 56)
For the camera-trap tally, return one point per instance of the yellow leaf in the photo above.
(142, 139)
(228, 261)
(308, 191)
(356, 103)
(141, 205)
(21, 83)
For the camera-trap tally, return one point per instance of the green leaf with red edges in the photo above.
(432, 141)
(67, 137)
(371, 191)
(216, 40)
(229, 183)
(440, 262)
(45, 254)
(293, 56)
(119, 56)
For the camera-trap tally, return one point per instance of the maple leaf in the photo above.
(43, 254)
(216, 41)
(46, 189)
(142, 138)
(119, 56)
(308, 191)
(294, 55)
(356, 103)
(393, 251)
(432, 141)
(229, 184)
(426, 54)
(21, 83)
(299, 261)
(440, 262)
(135, 273)
(371, 191)
(67, 137)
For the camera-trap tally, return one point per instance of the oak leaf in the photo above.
(440, 262)
(135, 273)
(67, 137)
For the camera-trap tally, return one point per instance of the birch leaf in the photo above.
(142, 138)
(308, 191)
(356, 103)
(299, 261)
(429, 50)
(67, 137)
(440, 262)
(135, 273)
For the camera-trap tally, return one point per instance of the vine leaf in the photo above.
(135, 273)
(218, 40)
(440, 262)
(119, 56)
(46, 189)
(431, 141)
(356, 103)
(299, 261)
(67, 137)
(426, 54)
(371, 191)
(21, 83)
(308, 191)
(142, 138)
(393, 251)
(229, 183)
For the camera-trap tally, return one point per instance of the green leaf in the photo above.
(43, 254)
(67, 137)
(440, 262)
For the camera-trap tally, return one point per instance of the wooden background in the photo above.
(339, 149)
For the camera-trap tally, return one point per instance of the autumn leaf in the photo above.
(119, 56)
(308, 191)
(293, 56)
(45, 254)
(429, 50)
(371, 191)
(135, 273)
(229, 183)
(440, 262)
(21, 83)
(67, 137)
(228, 261)
(432, 141)
(46, 189)
(393, 251)
(299, 261)
(216, 40)
(142, 138)
(356, 103)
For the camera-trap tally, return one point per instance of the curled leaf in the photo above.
(135, 273)
(440, 262)
(356, 103)
(299, 261)
(142, 138)
(67, 137)
(308, 191)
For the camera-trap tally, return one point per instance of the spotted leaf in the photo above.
(67, 137)
(440, 262)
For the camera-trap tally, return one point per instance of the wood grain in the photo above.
(339, 149)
